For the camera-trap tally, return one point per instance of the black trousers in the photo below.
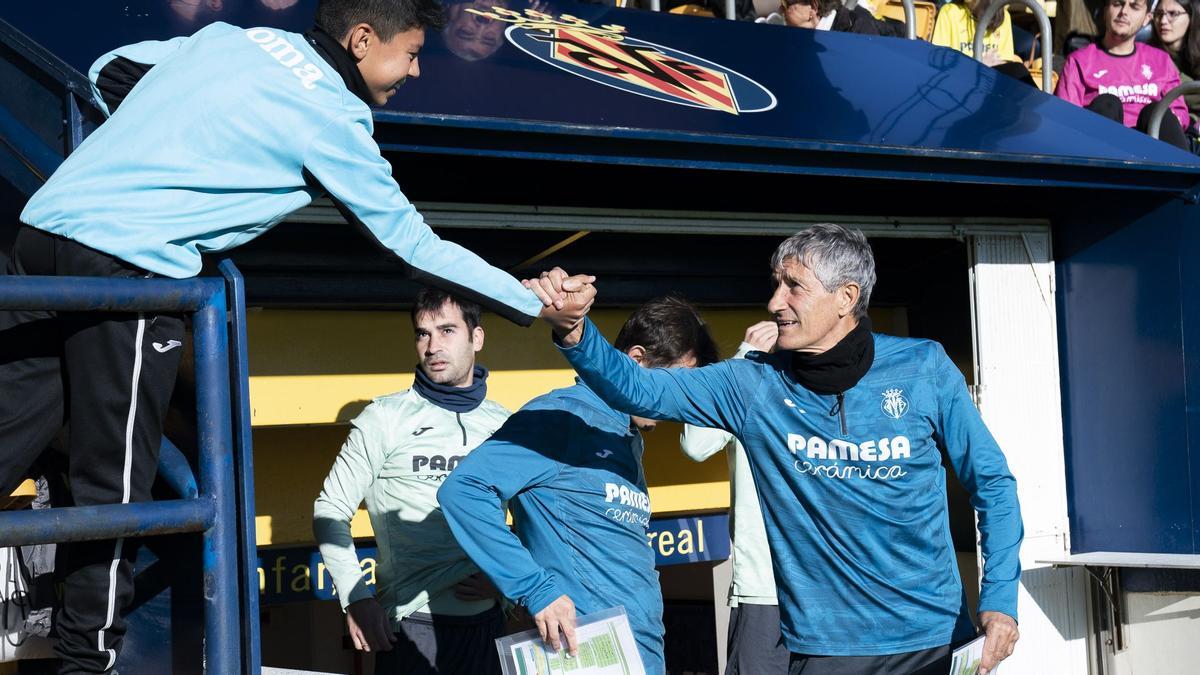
(1169, 131)
(111, 376)
(934, 661)
(434, 644)
(756, 641)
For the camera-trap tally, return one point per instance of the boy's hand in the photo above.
(762, 335)
(558, 616)
(369, 627)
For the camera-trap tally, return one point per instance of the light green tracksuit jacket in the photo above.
(399, 451)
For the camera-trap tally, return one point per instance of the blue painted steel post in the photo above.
(222, 653)
(244, 454)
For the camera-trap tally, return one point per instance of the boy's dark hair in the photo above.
(387, 17)
(431, 301)
(669, 329)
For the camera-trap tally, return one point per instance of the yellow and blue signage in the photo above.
(298, 574)
(608, 55)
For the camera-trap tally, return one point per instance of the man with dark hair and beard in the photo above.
(431, 611)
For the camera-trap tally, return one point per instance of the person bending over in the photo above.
(570, 468)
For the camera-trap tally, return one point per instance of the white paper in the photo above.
(965, 660)
(606, 647)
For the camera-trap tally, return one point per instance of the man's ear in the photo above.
(847, 297)
(477, 338)
(637, 353)
(359, 40)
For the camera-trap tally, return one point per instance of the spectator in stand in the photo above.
(1172, 33)
(1119, 78)
(832, 15)
(955, 28)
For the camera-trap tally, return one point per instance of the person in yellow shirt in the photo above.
(955, 28)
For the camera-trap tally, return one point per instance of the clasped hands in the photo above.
(566, 300)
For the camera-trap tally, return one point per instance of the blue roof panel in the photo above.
(638, 73)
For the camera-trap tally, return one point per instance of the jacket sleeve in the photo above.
(355, 469)
(345, 160)
(711, 396)
(700, 443)
(980, 465)
(115, 74)
(473, 496)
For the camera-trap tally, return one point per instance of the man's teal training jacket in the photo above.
(228, 132)
(857, 522)
(571, 469)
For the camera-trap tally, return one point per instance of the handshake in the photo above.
(566, 300)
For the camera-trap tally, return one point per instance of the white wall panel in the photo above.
(1017, 389)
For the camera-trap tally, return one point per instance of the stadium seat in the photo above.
(926, 14)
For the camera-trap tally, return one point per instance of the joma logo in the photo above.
(287, 55)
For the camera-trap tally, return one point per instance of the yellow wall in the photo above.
(313, 371)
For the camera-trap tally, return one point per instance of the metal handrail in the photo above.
(910, 19)
(1043, 25)
(213, 510)
(1162, 105)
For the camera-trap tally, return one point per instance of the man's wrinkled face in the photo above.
(446, 347)
(385, 66)
(804, 311)
(644, 424)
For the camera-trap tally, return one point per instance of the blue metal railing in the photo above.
(239, 387)
(211, 507)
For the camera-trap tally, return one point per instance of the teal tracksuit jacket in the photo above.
(857, 519)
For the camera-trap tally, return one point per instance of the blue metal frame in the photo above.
(213, 510)
(243, 448)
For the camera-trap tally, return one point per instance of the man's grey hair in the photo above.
(836, 255)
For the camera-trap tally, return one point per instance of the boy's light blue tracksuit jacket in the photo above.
(857, 521)
(570, 468)
(228, 132)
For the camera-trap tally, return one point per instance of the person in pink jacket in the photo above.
(1119, 77)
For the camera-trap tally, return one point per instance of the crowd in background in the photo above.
(1114, 57)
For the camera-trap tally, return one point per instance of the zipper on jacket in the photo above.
(839, 408)
(458, 417)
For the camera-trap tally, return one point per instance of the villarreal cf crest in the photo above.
(607, 55)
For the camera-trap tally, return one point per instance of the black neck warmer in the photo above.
(342, 61)
(454, 399)
(837, 370)
(841, 367)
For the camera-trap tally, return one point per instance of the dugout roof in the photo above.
(615, 86)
